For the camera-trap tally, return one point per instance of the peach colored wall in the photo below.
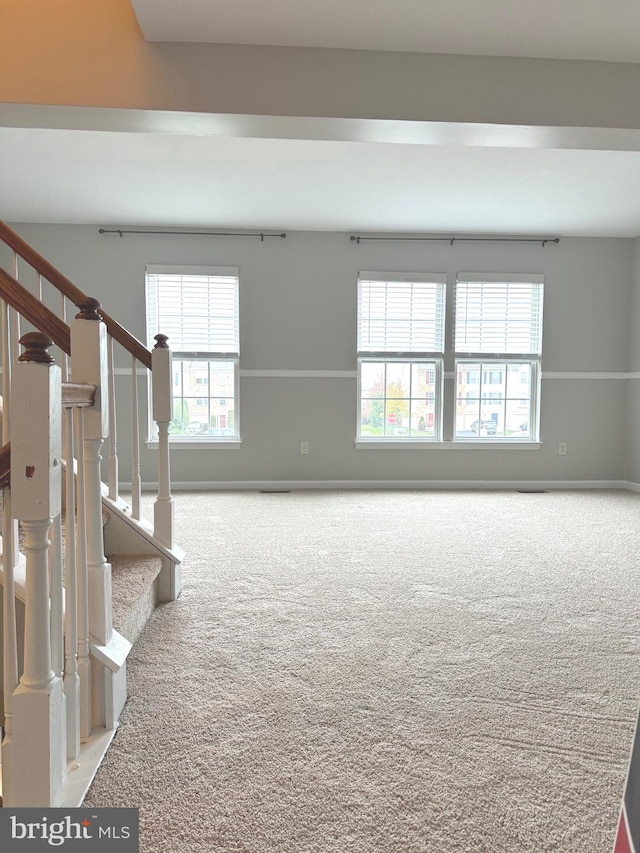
(92, 53)
(78, 52)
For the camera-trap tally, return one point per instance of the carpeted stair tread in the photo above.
(134, 593)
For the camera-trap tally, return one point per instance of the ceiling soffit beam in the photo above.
(457, 134)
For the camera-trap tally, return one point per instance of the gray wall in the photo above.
(632, 467)
(298, 312)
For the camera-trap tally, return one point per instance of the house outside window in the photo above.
(197, 308)
(400, 345)
(492, 377)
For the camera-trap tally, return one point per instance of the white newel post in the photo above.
(39, 737)
(163, 510)
(89, 363)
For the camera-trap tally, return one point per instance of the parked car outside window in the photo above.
(196, 428)
(489, 426)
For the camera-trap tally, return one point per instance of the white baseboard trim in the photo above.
(427, 485)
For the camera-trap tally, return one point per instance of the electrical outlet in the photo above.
(562, 448)
(304, 447)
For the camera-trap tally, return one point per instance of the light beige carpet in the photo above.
(386, 672)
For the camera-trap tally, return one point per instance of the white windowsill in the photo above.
(481, 444)
(195, 444)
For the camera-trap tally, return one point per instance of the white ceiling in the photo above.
(562, 29)
(184, 172)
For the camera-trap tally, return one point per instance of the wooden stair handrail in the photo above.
(5, 465)
(34, 311)
(126, 339)
(68, 288)
(39, 263)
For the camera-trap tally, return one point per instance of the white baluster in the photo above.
(9, 357)
(9, 547)
(71, 677)
(84, 662)
(15, 319)
(7, 362)
(55, 577)
(56, 585)
(100, 609)
(136, 481)
(112, 469)
(65, 357)
(38, 672)
(10, 642)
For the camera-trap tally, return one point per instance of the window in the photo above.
(498, 336)
(401, 321)
(491, 344)
(197, 308)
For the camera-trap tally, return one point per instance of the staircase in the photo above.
(72, 604)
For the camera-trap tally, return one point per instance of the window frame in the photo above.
(437, 402)
(448, 369)
(528, 437)
(463, 357)
(207, 356)
(389, 356)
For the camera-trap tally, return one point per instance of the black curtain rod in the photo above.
(261, 235)
(451, 240)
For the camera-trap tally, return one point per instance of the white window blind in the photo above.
(400, 315)
(198, 311)
(498, 317)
